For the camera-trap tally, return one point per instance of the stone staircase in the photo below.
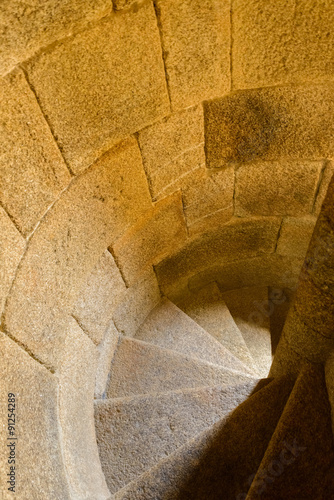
(190, 413)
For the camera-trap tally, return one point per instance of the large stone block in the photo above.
(277, 42)
(100, 295)
(27, 27)
(277, 188)
(12, 246)
(91, 215)
(208, 199)
(107, 82)
(270, 124)
(32, 170)
(140, 299)
(295, 236)
(76, 416)
(171, 149)
(238, 239)
(196, 43)
(39, 467)
(154, 237)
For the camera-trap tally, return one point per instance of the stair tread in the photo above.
(133, 434)
(139, 368)
(249, 308)
(187, 473)
(208, 309)
(169, 327)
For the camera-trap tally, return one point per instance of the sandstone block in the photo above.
(208, 199)
(32, 170)
(140, 299)
(12, 246)
(107, 82)
(99, 297)
(238, 239)
(326, 178)
(106, 351)
(26, 28)
(40, 470)
(295, 236)
(95, 211)
(196, 43)
(269, 124)
(172, 148)
(277, 188)
(277, 42)
(160, 231)
(76, 397)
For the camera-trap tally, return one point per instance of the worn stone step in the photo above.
(133, 434)
(209, 310)
(169, 327)
(219, 462)
(251, 312)
(142, 368)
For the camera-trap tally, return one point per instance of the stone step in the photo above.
(142, 368)
(133, 434)
(209, 310)
(251, 312)
(169, 327)
(219, 462)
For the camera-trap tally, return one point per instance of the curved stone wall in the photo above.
(147, 148)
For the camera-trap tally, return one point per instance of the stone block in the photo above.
(325, 180)
(153, 238)
(99, 297)
(238, 239)
(269, 124)
(91, 215)
(26, 28)
(140, 299)
(172, 148)
(76, 399)
(196, 43)
(107, 82)
(295, 236)
(39, 468)
(32, 170)
(208, 199)
(12, 247)
(279, 42)
(106, 351)
(277, 188)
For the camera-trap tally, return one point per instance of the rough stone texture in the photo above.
(208, 199)
(123, 4)
(172, 148)
(40, 471)
(142, 368)
(287, 360)
(301, 449)
(236, 240)
(269, 124)
(169, 327)
(76, 414)
(207, 309)
(326, 178)
(106, 351)
(133, 434)
(153, 238)
(277, 42)
(251, 311)
(196, 43)
(107, 82)
(139, 300)
(101, 293)
(329, 376)
(32, 170)
(215, 460)
(12, 246)
(295, 236)
(97, 208)
(277, 188)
